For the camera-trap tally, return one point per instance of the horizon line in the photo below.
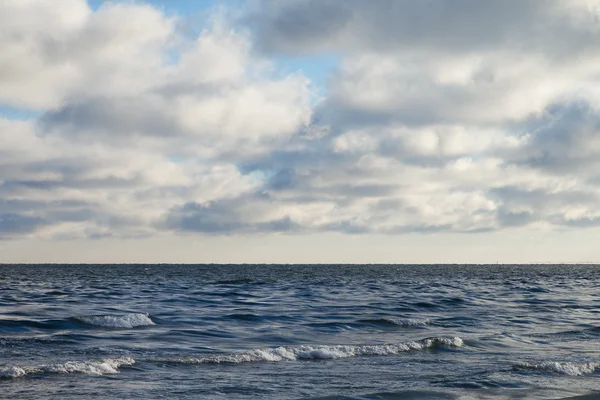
(306, 264)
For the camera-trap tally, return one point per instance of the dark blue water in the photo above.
(292, 332)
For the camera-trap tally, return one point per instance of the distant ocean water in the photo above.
(299, 331)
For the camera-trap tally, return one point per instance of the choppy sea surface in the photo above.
(299, 331)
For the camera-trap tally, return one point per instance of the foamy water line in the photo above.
(125, 321)
(93, 367)
(321, 352)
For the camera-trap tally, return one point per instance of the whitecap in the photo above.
(94, 367)
(12, 372)
(564, 368)
(125, 321)
(408, 321)
(321, 352)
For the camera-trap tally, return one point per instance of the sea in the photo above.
(299, 331)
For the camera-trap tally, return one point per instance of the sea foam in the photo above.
(94, 367)
(563, 368)
(124, 321)
(321, 352)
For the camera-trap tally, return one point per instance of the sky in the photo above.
(300, 131)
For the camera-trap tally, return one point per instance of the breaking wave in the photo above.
(96, 367)
(563, 368)
(320, 352)
(125, 321)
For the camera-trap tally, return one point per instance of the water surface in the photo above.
(299, 331)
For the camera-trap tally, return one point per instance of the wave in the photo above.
(27, 324)
(397, 395)
(591, 332)
(563, 368)
(125, 321)
(234, 281)
(408, 322)
(24, 341)
(57, 293)
(244, 317)
(96, 367)
(320, 352)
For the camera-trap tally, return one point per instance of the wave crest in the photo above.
(563, 368)
(125, 321)
(321, 352)
(96, 367)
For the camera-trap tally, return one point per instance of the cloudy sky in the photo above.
(300, 131)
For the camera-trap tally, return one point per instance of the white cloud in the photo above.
(53, 52)
(461, 116)
(499, 87)
(138, 119)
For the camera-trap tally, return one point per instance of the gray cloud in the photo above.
(226, 217)
(297, 26)
(106, 118)
(17, 224)
(565, 139)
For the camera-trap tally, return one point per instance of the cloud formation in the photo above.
(461, 116)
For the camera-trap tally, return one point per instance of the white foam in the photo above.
(125, 321)
(564, 368)
(408, 321)
(12, 372)
(95, 367)
(321, 352)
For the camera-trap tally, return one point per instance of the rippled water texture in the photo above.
(292, 332)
